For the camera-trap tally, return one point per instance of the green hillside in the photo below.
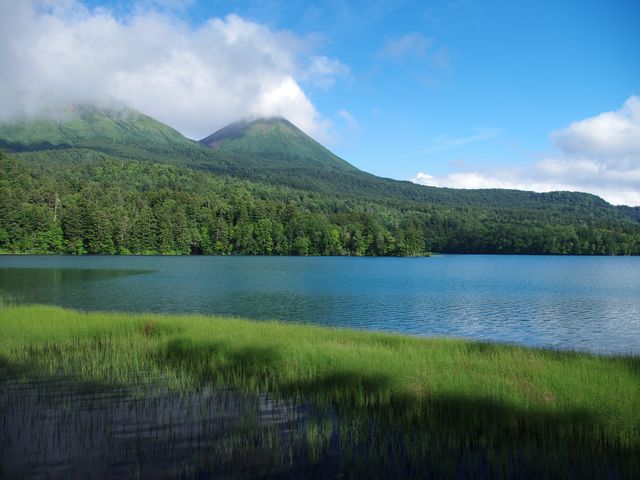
(275, 151)
(79, 125)
(274, 144)
(98, 180)
(631, 212)
(116, 130)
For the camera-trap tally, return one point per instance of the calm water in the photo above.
(584, 303)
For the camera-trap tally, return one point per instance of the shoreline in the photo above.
(390, 388)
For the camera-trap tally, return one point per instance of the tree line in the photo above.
(104, 205)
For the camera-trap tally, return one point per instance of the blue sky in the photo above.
(460, 93)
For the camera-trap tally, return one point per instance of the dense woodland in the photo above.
(88, 202)
(111, 180)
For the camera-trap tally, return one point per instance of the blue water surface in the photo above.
(581, 303)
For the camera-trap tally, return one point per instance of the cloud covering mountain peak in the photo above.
(195, 78)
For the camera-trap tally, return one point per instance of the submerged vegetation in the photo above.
(384, 404)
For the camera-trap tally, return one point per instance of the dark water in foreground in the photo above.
(582, 303)
(57, 428)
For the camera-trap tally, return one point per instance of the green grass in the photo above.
(496, 396)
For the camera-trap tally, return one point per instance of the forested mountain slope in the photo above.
(631, 212)
(117, 130)
(274, 144)
(98, 180)
(275, 151)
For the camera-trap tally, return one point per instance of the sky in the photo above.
(540, 95)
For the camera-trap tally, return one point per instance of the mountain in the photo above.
(95, 179)
(274, 144)
(631, 212)
(275, 151)
(113, 129)
(89, 126)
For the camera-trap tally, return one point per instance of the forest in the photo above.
(91, 202)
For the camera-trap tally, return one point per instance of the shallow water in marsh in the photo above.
(581, 303)
(60, 428)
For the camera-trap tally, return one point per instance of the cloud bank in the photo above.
(196, 79)
(600, 155)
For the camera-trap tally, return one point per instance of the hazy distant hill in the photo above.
(113, 180)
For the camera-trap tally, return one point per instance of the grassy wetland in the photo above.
(195, 396)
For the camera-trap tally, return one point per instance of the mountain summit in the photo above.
(274, 143)
(79, 131)
(90, 126)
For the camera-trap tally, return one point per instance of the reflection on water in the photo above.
(21, 279)
(584, 303)
(58, 428)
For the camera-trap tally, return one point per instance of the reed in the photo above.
(401, 396)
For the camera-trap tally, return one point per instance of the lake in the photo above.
(582, 303)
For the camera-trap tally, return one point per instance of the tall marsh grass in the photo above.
(392, 404)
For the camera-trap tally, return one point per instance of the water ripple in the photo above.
(585, 303)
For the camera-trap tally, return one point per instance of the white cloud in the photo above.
(438, 144)
(611, 137)
(348, 118)
(168, 4)
(599, 155)
(195, 79)
(441, 59)
(323, 71)
(463, 180)
(412, 44)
